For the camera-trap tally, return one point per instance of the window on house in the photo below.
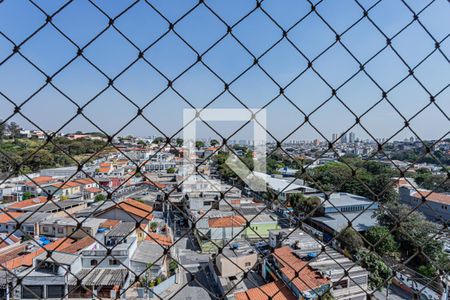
(248, 264)
(60, 230)
(32, 291)
(45, 229)
(94, 262)
(113, 262)
(342, 284)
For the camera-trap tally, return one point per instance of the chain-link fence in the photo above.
(102, 214)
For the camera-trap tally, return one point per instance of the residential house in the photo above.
(10, 192)
(25, 258)
(236, 259)
(161, 239)
(435, 206)
(7, 240)
(64, 190)
(302, 280)
(128, 210)
(49, 276)
(92, 192)
(5, 218)
(38, 185)
(63, 227)
(58, 208)
(24, 205)
(226, 228)
(149, 260)
(276, 290)
(104, 169)
(350, 281)
(29, 223)
(296, 238)
(86, 183)
(122, 242)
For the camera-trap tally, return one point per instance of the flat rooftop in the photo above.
(342, 199)
(122, 229)
(339, 220)
(57, 206)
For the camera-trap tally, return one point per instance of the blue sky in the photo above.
(80, 21)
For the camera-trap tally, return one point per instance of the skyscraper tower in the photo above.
(351, 137)
(334, 137)
(344, 138)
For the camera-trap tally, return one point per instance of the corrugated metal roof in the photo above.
(101, 277)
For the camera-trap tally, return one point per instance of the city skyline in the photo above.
(111, 111)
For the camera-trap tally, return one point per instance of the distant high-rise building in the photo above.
(351, 137)
(411, 139)
(334, 137)
(344, 138)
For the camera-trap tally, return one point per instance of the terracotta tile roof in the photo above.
(105, 164)
(66, 185)
(9, 216)
(136, 208)
(27, 259)
(12, 252)
(7, 241)
(222, 222)
(435, 197)
(40, 180)
(276, 290)
(85, 181)
(79, 245)
(155, 184)
(162, 240)
(104, 170)
(28, 202)
(110, 224)
(307, 279)
(93, 190)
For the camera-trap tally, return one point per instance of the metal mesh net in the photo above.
(374, 64)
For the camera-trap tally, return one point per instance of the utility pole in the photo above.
(387, 291)
(444, 280)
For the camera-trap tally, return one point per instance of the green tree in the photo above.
(171, 170)
(386, 242)
(3, 126)
(214, 142)
(99, 197)
(14, 129)
(379, 272)
(365, 178)
(27, 195)
(179, 142)
(414, 233)
(350, 240)
(302, 204)
(153, 226)
(158, 140)
(173, 265)
(428, 270)
(199, 144)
